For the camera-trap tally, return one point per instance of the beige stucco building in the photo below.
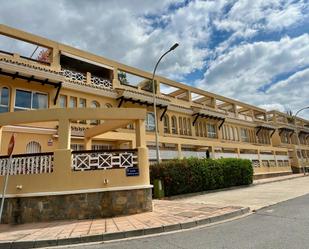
(111, 111)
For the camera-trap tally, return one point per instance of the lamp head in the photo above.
(174, 46)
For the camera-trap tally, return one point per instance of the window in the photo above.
(108, 105)
(73, 102)
(4, 99)
(95, 104)
(189, 127)
(174, 125)
(63, 101)
(180, 126)
(166, 124)
(150, 122)
(82, 104)
(236, 134)
(30, 100)
(185, 126)
(211, 131)
(33, 147)
(244, 135)
(77, 147)
(284, 137)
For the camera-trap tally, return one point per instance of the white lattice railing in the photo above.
(26, 164)
(74, 76)
(105, 83)
(96, 160)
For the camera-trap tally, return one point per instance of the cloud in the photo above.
(239, 47)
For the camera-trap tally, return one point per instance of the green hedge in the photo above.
(195, 175)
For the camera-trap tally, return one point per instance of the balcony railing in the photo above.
(79, 77)
(26, 164)
(98, 160)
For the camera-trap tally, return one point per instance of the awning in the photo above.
(142, 99)
(41, 76)
(265, 127)
(209, 116)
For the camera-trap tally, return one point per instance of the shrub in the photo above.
(195, 175)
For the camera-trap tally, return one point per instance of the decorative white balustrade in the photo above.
(249, 156)
(74, 76)
(82, 78)
(27, 164)
(96, 160)
(105, 83)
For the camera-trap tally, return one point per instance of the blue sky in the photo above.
(253, 51)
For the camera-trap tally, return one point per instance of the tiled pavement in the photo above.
(166, 216)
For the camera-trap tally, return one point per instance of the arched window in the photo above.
(166, 123)
(95, 104)
(108, 105)
(200, 125)
(4, 99)
(185, 126)
(204, 129)
(33, 147)
(174, 125)
(196, 129)
(189, 127)
(180, 126)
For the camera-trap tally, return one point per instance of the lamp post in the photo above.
(307, 107)
(155, 102)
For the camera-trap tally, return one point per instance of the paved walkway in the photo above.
(263, 193)
(168, 215)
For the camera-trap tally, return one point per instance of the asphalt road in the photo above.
(282, 226)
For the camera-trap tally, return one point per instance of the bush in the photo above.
(195, 175)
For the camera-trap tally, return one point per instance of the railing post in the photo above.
(62, 164)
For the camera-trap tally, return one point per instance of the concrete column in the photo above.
(55, 59)
(1, 130)
(88, 78)
(64, 131)
(140, 133)
(116, 83)
(88, 143)
(238, 152)
(259, 157)
(143, 164)
(274, 153)
(178, 146)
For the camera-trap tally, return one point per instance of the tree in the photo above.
(44, 55)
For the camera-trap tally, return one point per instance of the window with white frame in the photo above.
(211, 131)
(4, 99)
(150, 122)
(63, 101)
(244, 135)
(95, 104)
(166, 123)
(25, 100)
(33, 147)
(174, 125)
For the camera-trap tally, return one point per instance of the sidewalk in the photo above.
(168, 215)
(261, 194)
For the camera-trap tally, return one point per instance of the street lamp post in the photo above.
(307, 107)
(155, 102)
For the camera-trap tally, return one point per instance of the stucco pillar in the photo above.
(64, 131)
(178, 146)
(88, 143)
(238, 152)
(1, 130)
(140, 133)
(116, 83)
(55, 59)
(88, 78)
(143, 164)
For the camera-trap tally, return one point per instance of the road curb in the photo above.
(122, 235)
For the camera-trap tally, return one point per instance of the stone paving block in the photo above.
(203, 221)
(172, 227)
(187, 225)
(45, 243)
(91, 238)
(5, 245)
(22, 244)
(113, 236)
(152, 230)
(134, 233)
(69, 241)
